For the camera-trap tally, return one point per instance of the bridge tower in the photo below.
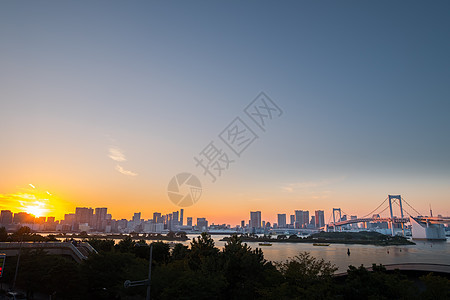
(334, 218)
(399, 198)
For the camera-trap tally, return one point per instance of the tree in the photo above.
(244, 269)
(202, 249)
(101, 245)
(3, 234)
(306, 276)
(378, 284)
(125, 245)
(182, 234)
(105, 273)
(180, 252)
(161, 252)
(437, 287)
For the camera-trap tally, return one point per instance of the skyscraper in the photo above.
(6, 217)
(202, 224)
(189, 221)
(292, 219)
(255, 219)
(282, 220)
(137, 218)
(100, 218)
(84, 215)
(181, 217)
(175, 218)
(319, 218)
(305, 218)
(299, 218)
(157, 217)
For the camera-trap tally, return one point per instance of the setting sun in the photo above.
(37, 209)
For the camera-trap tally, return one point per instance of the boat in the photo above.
(321, 244)
(265, 244)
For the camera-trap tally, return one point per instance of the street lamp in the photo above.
(146, 282)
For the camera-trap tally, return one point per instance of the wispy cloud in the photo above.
(125, 172)
(310, 185)
(116, 154)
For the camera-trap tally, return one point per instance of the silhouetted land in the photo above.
(170, 236)
(362, 237)
(203, 271)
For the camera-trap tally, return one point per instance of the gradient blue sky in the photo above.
(364, 87)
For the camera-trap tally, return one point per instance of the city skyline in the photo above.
(94, 216)
(105, 112)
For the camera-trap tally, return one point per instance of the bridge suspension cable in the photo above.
(384, 210)
(345, 213)
(407, 212)
(418, 213)
(375, 209)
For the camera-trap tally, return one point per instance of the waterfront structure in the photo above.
(255, 219)
(84, 215)
(202, 224)
(298, 218)
(319, 218)
(292, 220)
(100, 218)
(424, 228)
(281, 220)
(6, 217)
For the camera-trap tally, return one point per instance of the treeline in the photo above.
(24, 234)
(202, 271)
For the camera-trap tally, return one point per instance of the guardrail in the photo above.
(53, 248)
(422, 267)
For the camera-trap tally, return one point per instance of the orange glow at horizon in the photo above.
(37, 209)
(32, 200)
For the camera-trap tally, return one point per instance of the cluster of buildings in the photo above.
(99, 220)
(299, 220)
(11, 221)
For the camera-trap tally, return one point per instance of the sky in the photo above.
(102, 103)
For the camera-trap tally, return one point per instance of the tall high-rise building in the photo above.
(84, 215)
(242, 223)
(299, 218)
(69, 219)
(181, 217)
(157, 218)
(255, 219)
(305, 218)
(292, 219)
(319, 218)
(282, 220)
(6, 217)
(22, 218)
(175, 218)
(137, 218)
(202, 224)
(189, 221)
(100, 218)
